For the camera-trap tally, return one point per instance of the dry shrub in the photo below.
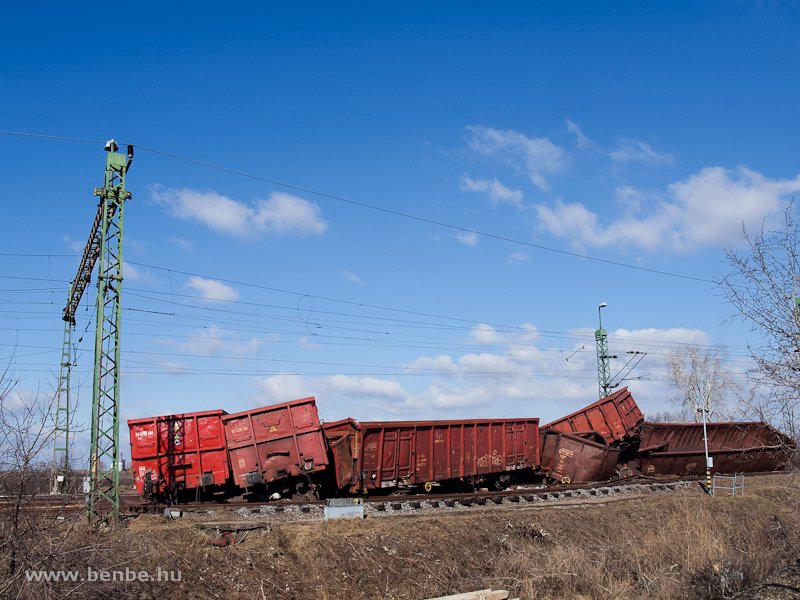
(665, 547)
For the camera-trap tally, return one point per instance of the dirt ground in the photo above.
(686, 545)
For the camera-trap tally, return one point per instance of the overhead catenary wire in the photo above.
(519, 333)
(366, 338)
(296, 293)
(376, 208)
(329, 323)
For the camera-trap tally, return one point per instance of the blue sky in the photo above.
(635, 133)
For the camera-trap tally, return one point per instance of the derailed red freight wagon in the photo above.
(344, 441)
(616, 417)
(407, 453)
(177, 455)
(678, 448)
(279, 447)
(577, 458)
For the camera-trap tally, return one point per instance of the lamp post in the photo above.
(603, 365)
(703, 408)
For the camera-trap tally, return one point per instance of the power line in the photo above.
(372, 207)
(418, 218)
(504, 329)
(37, 255)
(51, 137)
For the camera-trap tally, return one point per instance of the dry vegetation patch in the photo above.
(668, 546)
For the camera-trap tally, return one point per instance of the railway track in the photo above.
(552, 495)
(242, 516)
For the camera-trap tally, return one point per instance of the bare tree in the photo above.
(25, 435)
(31, 532)
(762, 286)
(694, 368)
(665, 416)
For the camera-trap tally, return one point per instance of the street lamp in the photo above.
(704, 408)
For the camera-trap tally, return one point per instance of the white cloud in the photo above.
(282, 388)
(213, 341)
(212, 290)
(517, 258)
(468, 238)
(707, 209)
(489, 335)
(568, 220)
(444, 396)
(130, 272)
(280, 213)
(535, 157)
(284, 213)
(306, 343)
(629, 150)
(133, 273)
(497, 192)
(488, 362)
(18, 399)
(518, 379)
(660, 339)
(369, 387)
(74, 245)
(350, 276)
(580, 139)
(174, 367)
(632, 199)
(437, 363)
(485, 334)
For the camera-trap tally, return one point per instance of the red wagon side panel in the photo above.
(184, 451)
(577, 458)
(344, 439)
(678, 448)
(409, 452)
(615, 417)
(275, 442)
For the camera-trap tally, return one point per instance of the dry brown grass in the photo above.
(667, 547)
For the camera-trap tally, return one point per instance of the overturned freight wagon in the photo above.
(385, 455)
(577, 457)
(679, 449)
(278, 449)
(616, 418)
(177, 457)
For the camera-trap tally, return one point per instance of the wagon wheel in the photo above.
(566, 479)
(625, 471)
(428, 486)
(502, 482)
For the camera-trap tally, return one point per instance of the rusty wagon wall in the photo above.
(615, 417)
(577, 458)
(408, 453)
(678, 448)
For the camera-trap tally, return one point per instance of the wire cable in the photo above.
(373, 207)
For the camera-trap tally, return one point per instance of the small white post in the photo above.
(709, 460)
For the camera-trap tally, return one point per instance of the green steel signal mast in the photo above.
(604, 379)
(104, 245)
(603, 357)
